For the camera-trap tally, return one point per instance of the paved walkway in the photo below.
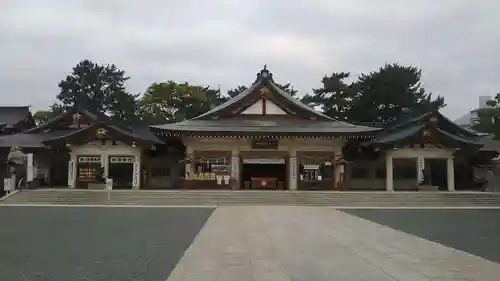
(310, 244)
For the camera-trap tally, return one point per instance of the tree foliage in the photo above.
(334, 98)
(99, 88)
(236, 91)
(171, 102)
(392, 91)
(382, 96)
(488, 119)
(42, 116)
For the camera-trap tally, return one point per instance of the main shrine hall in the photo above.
(263, 138)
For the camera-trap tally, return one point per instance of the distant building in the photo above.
(471, 118)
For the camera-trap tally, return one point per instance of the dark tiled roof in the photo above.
(267, 126)
(395, 136)
(264, 78)
(461, 139)
(40, 139)
(447, 131)
(137, 130)
(231, 101)
(322, 125)
(11, 115)
(424, 118)
(490, 144)
(27, 140)
(143, 131)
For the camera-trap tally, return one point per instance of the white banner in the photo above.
(109, 184)
(421, 168)
(71, 172)
(30, 170)
(7, 186)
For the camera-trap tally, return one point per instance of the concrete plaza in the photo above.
(258, 243)
(311, 243)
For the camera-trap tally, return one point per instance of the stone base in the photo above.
(427, 188)
(97, 186)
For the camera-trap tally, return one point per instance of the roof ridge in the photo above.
(264, 78)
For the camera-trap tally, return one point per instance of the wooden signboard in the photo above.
(265, 144)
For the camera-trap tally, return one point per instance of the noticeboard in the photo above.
(265, 144)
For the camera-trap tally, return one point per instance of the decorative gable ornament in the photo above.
(101, 132)
(265, 92)
(76, 117)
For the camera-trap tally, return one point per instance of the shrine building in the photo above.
(263, 138)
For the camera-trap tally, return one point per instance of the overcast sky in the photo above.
(226, 42)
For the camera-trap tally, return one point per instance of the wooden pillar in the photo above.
(420, 169)
(235, 168)
(389, 184)
(450, 173)
(105, 164)
(72, 172)
(189, 165)
(136, 180)
(292, 169)
(49, 175)
(339, 172)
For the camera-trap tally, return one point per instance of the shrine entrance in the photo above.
(121, 170)
(264, 173)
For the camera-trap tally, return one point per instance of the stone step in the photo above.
(342, 204)
(362, 198)
(312, 198)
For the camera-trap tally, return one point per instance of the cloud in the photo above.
(225, 42)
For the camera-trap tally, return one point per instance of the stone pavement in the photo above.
(318, 243)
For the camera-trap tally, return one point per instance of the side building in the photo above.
(13, 119)
(76, 148)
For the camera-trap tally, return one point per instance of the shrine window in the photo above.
(89, 168)
(311, 172)
(212, 165)
(315, 169)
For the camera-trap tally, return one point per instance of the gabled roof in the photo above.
(24, 140)
(265, 80)
(12, 115)
(431, 126)
(79, 135)
(68, 115)
(229, 119)
(48, 132)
